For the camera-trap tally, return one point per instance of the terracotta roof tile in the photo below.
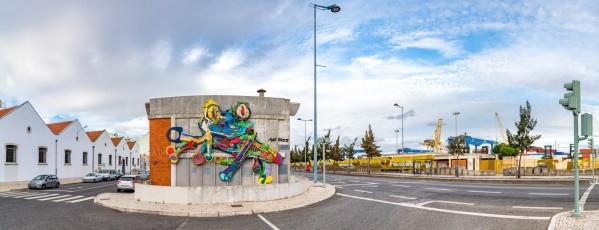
(93, 136)
(116, 140)
(131, 144)
(56, 128)
(6, 111)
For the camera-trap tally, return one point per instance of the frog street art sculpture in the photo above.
(230, 131)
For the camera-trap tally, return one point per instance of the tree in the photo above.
(296, 155)
(522, 140)
(320, 145)
(349, 153)
(503, 150)
(456, 148)
(369, 146)
(336, 153)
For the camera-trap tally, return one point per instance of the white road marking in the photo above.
(54, 197)
(413, 182)
(483, 192)
(449, 211)
(341, 182)
(442, 201)
(268, 222)
(10, 194)
(84, 199)
(351, 185)
(29, 195)
(353, 181)
(403, 197)
(68, 198)
(362, 191)
(339, 187)
(548, 208)
(549, 194)
(399, 185)
(583, 200)
(35, 197)
(370, 186)
(440, 189)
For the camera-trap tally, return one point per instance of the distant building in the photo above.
(29, 147)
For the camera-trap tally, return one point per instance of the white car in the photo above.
(108, 174)
(127, 182)
(92, 177)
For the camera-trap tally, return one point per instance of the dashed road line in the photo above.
(547, 208)
(344, 185)
(443, 201)
(362, 191)
(403, 197)
(440, 189)
(370, 186)
(549, 194)
(268, 222)
(448, 211)
(30, 195)
(400, 185)
(484, 192)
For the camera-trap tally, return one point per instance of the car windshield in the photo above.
(105, 171)
(90, 174)
(98, 174)
(40, 177)
(125, 178)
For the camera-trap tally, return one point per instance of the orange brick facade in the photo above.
(160, 165)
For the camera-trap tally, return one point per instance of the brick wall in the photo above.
(160, 165)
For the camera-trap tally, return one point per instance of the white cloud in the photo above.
(446, 48)
(193, 56)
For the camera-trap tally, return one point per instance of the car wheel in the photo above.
(43, 186)
(118, 190)
(57, 185)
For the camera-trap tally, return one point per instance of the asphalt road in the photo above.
(360, 203)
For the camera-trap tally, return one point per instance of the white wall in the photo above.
(13, 130)
(103, 145)
(135, 156)
(67, 139)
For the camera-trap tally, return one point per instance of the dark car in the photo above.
(44, 181)
(144, 175)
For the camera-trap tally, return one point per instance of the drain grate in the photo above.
(236, 205)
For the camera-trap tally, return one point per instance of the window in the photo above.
(120, 161)
(11, 154)
(29, 129)
(41, 157)
(67, 156)
(110, 159)
(99, 159)
(127, 161)
(84, 158)
(137, 161)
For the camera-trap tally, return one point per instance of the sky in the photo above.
(100, 61)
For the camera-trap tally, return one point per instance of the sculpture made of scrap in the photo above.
(230, 131)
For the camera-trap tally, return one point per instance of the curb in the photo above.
(553, 222)
(329, 193)
(479, 181)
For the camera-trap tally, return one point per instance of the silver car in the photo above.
(44, 181)
(108, 174)
(92, 177)
(127, 182)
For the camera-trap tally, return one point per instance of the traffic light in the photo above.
(571, 100)
(571, 151)
(587, 125)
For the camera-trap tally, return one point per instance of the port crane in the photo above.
(500, 126)
(435, 143)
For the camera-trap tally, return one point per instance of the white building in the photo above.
(30, 147)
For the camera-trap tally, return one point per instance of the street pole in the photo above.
(576, 184)
(305, 140)
(592, 159)
(334, 9)
(324, 166)
(402, 148)
(455, 138)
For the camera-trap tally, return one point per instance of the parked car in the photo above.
(144, 175)
(109, 174)
(92, 177)
(127, 182)
(44, 181)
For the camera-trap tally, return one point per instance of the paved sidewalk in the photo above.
(589, 220)
(6, 186)
(584, 180)
(125, 202)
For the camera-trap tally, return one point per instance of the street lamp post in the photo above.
(396, 149)
(402, 148)
(456, 133)
(333, 8)
(305, 140)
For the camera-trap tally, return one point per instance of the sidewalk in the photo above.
(587, 220)
(125, 202)
(501, 179)
(6, 186)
